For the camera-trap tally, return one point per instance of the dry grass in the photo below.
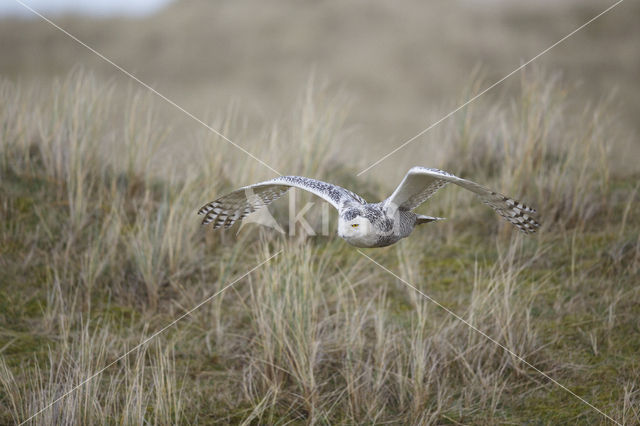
(403, 66)
(100, 246)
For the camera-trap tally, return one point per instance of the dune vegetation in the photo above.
(100, 247)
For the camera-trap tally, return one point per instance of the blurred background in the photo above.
(401, 68)
(100, 181)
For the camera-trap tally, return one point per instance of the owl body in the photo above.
(364, 224)
(372, 225)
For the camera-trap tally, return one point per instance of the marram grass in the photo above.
(100, 246)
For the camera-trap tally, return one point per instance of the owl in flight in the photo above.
(365, 224)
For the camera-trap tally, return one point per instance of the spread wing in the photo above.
(420, 183)
(226, 210)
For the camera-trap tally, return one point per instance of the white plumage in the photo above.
(366, 224)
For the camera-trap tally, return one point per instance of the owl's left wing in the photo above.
(420, 183)
(226, 210)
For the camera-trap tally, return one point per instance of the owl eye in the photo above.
(355, 225)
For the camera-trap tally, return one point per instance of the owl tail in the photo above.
(426, 219)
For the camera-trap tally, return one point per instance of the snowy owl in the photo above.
(365, 224)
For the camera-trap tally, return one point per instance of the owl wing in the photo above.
(420, 183)
(226, 210)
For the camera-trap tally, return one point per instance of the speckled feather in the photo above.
(226, 210)
(392, 219)
(420, 183)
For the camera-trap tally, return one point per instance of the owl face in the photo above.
(357, 230)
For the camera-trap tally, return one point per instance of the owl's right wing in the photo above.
(228, 209)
